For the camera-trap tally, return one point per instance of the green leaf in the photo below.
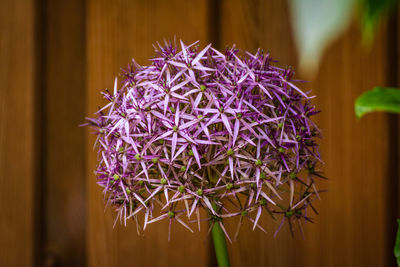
(372, 13)
(378, 99)
(397, 245)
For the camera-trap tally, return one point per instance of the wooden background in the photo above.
(55, 58)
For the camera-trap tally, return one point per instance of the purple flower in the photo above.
(199, 129)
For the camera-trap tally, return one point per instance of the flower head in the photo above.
(200, 129)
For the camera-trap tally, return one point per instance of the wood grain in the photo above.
(392, 68)
(64, 155)
(116, 32)
(17, 129)
(350, 230)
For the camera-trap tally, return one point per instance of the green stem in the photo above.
(221, 251)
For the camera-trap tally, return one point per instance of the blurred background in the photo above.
(55, 58)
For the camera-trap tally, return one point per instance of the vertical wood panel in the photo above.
(118, 31)
(392, 69)
(65, 108)
(17, 114)
(351, 227)
(354, 215)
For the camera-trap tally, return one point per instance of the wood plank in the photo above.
(351, 227)
(393, 80)
(65, 108)
(17, 129)
(118, 31)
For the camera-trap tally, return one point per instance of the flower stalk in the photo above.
(218, 236)
(221, 251)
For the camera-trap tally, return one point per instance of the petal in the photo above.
(174, 139)
(257, 217)
(196, 155)
(200, 55)
(235, 131)
(226, 123)
(184, 224)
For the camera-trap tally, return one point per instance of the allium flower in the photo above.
(228, 133)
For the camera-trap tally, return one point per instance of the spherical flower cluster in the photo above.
(228, 133)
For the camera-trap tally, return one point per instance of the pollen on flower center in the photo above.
(229, 186)
(181, 188)
(199, 192)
